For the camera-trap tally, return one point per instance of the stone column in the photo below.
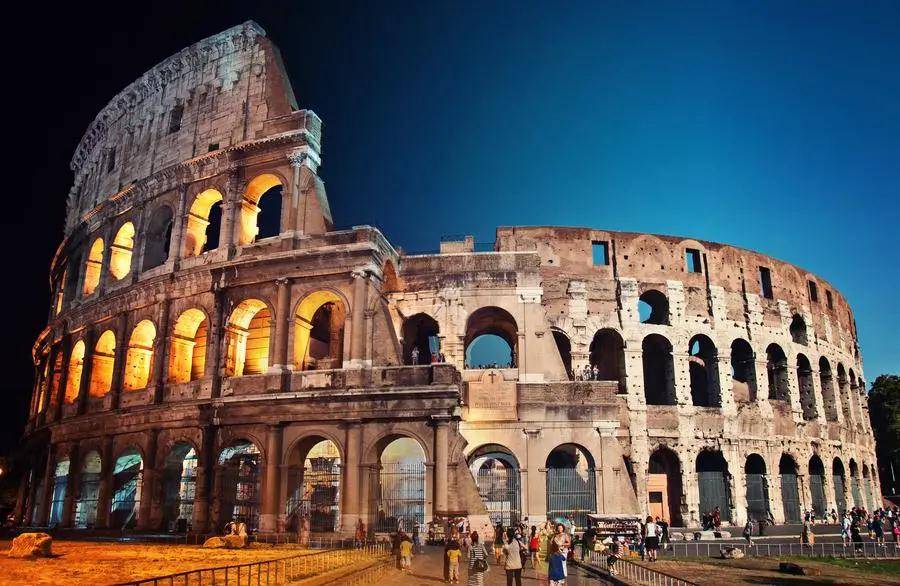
(441, 447)
(350, 512)
(160, 354)
(231, 206)
(104, 495)
(270, 505)
(119, 361)
(176, 244)
(43, 496)
(216, 514)
(216, 341)
(71, 487)
(205, 463)
(148, 483)
(85, 384)
(295, 219)
(534, 477)
(65, 349)
(358, 323)
(282, 326)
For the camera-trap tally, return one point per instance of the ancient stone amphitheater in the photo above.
(216, 349)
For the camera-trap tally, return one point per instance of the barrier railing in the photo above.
(868, 549)
(269, 572)
(633, 573)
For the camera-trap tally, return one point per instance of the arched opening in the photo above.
(390, 280)
(564, 347)
(653, 308)
(798, 330)
(757, 488)
(743, 371)
(777, 371)
(157, 237)
(92, 267)
(496, 472)
(703, 364)
(844, 390)
(88, 491)
(70, 278)
(659, 370)
(240, 485)
(869, 488)
(139, 357)
(261, 209)
(247, 339)
(827, 382)
(491, 339)
(713, 480)
(805, 382)
(314, 486)
(126, 496)
(817, 486)
(73, 376)
(790, 489)
(187, 352)
(840, 485)
(319, 331)
(203, 223)
(607, 353)
(102, 362)
(179, 480)
(854, 485)
(58, 496)
(56, 379)
(854, 397)
(398, 489)
(571, 484)
(120, 252)
(421, 344)
(664, 486)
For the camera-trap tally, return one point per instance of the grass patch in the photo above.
(863, 565)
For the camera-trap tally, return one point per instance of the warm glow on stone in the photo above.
(73, 377)
(247, 339)
(93, 266)
(188, 348)
(102, 364)
(250, 206)
(198, 221)
(139, 358)
(121, 251)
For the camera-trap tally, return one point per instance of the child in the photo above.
(557, 566)
(453, 555)
(534, 546)
(406, 548)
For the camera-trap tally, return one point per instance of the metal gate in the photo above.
(320, 497)
(500, 490)
(714, 493)
(398, 496)
(88, 494)
(817, 492)
(839, 498)
(790, 497)
(571, 493)
(854, 489)
(757, 497)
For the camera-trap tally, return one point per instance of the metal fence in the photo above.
(571, 493)
(633, 573)
(839, 550)
(269, 572)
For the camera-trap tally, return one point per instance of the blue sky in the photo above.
(772, 126)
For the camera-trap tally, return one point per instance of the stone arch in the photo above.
(103, 360)
(653, 307)
(128, 470)
(826, 381)
(816, 472)
(703, 367)
(659, 370)
(805, 383)
(85, 509)
(854, 484)
(187, 350)
(564, 347)
(664, 485)
(376, 447)
(757, 487)
(390, 280)
(571, 483)
(397, 489)
(139, 356)
(58, 489)
(73, 376)
(239, 464)
(157, 237)
(777, 372)
(497, 474)
(743, 371)
(607, 353)
(247, 337)
(420, 332)
(205, 210)
(790, 489)
(270, 186)
(319, 320)
(491, 321)
(839, 480)
(844, 392)
(314, 463)
(121, 251)
(179, 481)
(92, 267)
(713, 480)
(798, 330)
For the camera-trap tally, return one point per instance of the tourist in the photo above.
(556, 570)
(878, 529)
(562, 540)
(534, 546)
(453, 555)
(415, 355)
(895, 529)
(595, 372)
(406, 553)
(513, 565)
(807, 537)
(845, 529)
(587, 540)
(498, 542)
(748, 532)
(478, 565)
(717, 518)
(833, 516)
(856, 537)
(615, 552)
(664, 532)
(651, 539)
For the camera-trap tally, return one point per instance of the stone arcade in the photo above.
(215, 349)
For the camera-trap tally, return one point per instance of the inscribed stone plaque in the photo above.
(491, 398)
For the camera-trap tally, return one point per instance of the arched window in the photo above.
(712, 477)
(187, 354)
(805, 381)
(854, 485)
(844, 390)
(261, 209)
(653, 308)
(319, 331)
(757, 488)
(798, 330)
(664, 486)
(58, 496)
(179, 487)
(314, 485)
(398, 490)
(496, 472)
(703, 364)
(776, 369)
(203, 223)
(247, 339)
(420, 333)
(126, 496)
(88, 491)
(607, 353)
(790, 489)
(157, 237)
(817, 486)
(120, 251)
(92, 267)
(659, 370)
(73, 376)
(139, 358)
(491, 339)
(102, 362)
(840, 485)
(571, 484)
(241, 484)
(743, 371)
(828, 397)
(564, 347)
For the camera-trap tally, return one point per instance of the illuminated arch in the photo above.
(198, 222)
(314, 484)
(73, 377)
(187, 352)
(240, 490)
(139, 357)
(120, 252)
(251, 206)
(102, 363)
(319, 331)
(92, 267)
(247, 339)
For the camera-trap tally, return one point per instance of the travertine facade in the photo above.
(193, 368)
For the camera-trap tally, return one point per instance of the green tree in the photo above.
(884, 412)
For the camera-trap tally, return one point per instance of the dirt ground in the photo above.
(753, 571)
(81, 562)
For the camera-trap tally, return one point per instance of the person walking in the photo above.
(856, 537)
(845, 529)
(651, 538)
(748, 532)
(513, 565)
(414, 355)
(453, 555)
(498, 542)
(534, 546)
(478, 562)
(807, 537)
(556, 570)
(406, 554)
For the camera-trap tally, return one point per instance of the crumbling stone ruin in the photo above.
(216, 350)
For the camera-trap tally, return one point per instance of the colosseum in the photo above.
(217, 350)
